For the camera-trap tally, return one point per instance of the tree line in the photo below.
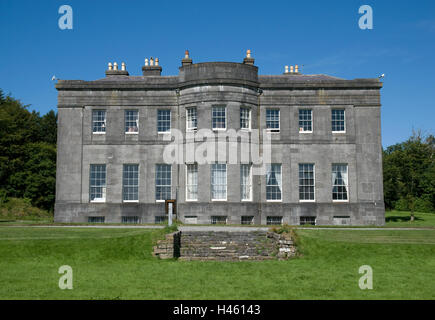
(28, 162)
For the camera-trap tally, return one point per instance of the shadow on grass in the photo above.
(402, 219)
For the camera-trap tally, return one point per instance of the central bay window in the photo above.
(245, 182)
(305, 120)
(163, 182)
(218, 118)
(306, 182)
(339, 182)
(192, 182)
(272, 120)
(99, 121)
(245, 118)
(273, 182)
(191, 119)
(219, 181)
(163, 121)
(131, 121)
(97, 183)
(130, 183)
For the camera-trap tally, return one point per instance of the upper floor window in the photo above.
(305, 120)
(130, 183)
(245, 182)
(218, 118)
(306, 182)
(97, 183)
(273, 182)
(339, 182)
(163, 181)
(192, 182)
(245, 118)
(99, 121)
(131, 121)
(219, 181)
(338, 120)
(163, 121)
(191, 119)
(272, 120)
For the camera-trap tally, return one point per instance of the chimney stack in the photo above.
(248, 59)
(112, 70)
(186, 60)
(151, 69)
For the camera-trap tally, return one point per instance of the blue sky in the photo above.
(321, 35)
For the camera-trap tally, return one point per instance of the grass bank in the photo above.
(117, 264)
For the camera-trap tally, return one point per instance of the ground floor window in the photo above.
(130, 182)
(341, 220)
(307, 220)
(130, 220)
(245, 182)
(219, 220)
(219, 181)
(96, 219)
(273, 182)
(273, 220)
(247, 220)
(163, 181)
(306, 182)
(97, 183)
(192, 182)
(339, 182)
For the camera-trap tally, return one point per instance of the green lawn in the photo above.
(117, 264)
(402, 219)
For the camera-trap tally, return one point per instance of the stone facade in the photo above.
(233, 85)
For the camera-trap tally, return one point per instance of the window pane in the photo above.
(218, 117)
(273, 182)
(191, 119)
(305, 120)
(130, 182)
(163, 181)
(338, 120)
(97, 182)
(306, 181)
(339, 182)
(219, 181)
(245, 118)
(99, 121)
(192, 182)
(272, 119)
(131, 121)
(245, 182)
(163, 120)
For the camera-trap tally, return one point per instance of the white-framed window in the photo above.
(218, 219)
(245, 182)
(273, 182)
(245, 118)
(340, 182)
(219, 117)
(99, 121)
(307, 220)
(192, 182)
(163, 121)
(305, 120)
(338, 121)
(191, 119)
(272, 120)
(130, 183)
(163, 181)
(97, 183)
(247, 220)
(274, 220)
(219, 181)
(306, 182)
(131, 121)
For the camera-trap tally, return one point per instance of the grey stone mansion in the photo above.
(324, 134)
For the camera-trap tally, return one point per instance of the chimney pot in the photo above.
(115, 66)
(186, 54)
(123, 66)
(296, 69)
(151, 61)
(157, 61)
(109, 66)
(286, 69)
(146, 62)
(248, 53)
(291, 69)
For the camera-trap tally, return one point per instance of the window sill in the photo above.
(339, 132)
(273, 200)
(160, 201)
(246, 200)
(340, 201)
(189, 200)
(305, 131)
(219, 200)
(273, 130)
(130, 201)
(307, 201)
(98, 201)
(163, 132)
(219, 129)
(98, 132)
(132, 133)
